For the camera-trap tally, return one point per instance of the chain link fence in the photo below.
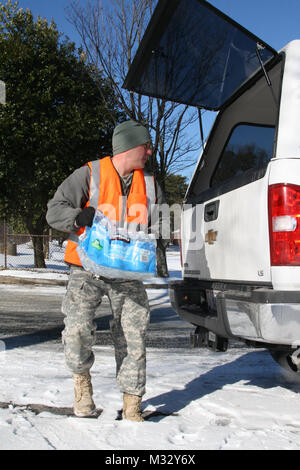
(17, 250)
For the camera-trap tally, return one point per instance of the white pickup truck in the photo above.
(240, 231)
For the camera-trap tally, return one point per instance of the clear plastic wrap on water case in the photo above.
(112, 252)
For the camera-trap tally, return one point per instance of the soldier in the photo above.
(118, 182)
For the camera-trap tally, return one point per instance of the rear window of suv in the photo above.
(249, 147)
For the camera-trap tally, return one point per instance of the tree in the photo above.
(175, 189)
(111, 32)
(59, 114)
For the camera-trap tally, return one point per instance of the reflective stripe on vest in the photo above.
(127, 216)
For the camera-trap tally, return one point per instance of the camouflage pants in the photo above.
(130, 318)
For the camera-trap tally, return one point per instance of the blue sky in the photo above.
(52, 9)
(275, 21)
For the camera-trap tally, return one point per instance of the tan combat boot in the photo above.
(84, 405)
(132, 407)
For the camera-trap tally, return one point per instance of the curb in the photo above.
(56, 282)
(31, 281)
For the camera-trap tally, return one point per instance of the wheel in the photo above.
(217, 343)
(203, 338)
(284, 359)
(199, 339)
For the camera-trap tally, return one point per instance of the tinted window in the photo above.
(193, 54)
(249, 147)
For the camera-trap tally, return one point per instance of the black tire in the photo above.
(283, 358)
(199, 339)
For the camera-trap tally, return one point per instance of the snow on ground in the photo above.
(240, 399)
(25, 257)
(236, 400)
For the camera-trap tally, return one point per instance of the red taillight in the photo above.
(284, 226)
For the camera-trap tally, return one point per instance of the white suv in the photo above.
(240, 232)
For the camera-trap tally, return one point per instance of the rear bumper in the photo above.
(262, 315)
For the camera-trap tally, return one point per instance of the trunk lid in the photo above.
(194, 54)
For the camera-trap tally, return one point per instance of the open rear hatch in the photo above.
(194, 54)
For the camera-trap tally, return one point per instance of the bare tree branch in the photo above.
(111, 31)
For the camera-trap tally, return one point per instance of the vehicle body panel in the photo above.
(229, 286)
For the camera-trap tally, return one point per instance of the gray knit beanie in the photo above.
(129, 134)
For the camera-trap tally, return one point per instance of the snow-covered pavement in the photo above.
(235, 400)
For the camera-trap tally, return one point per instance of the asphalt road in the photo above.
(32, 315)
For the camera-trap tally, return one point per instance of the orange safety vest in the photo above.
(107, 196)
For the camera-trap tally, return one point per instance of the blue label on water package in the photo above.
(121, 253)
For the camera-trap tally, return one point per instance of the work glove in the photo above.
(85, 217)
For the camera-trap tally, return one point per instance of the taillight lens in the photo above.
(284, 226)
